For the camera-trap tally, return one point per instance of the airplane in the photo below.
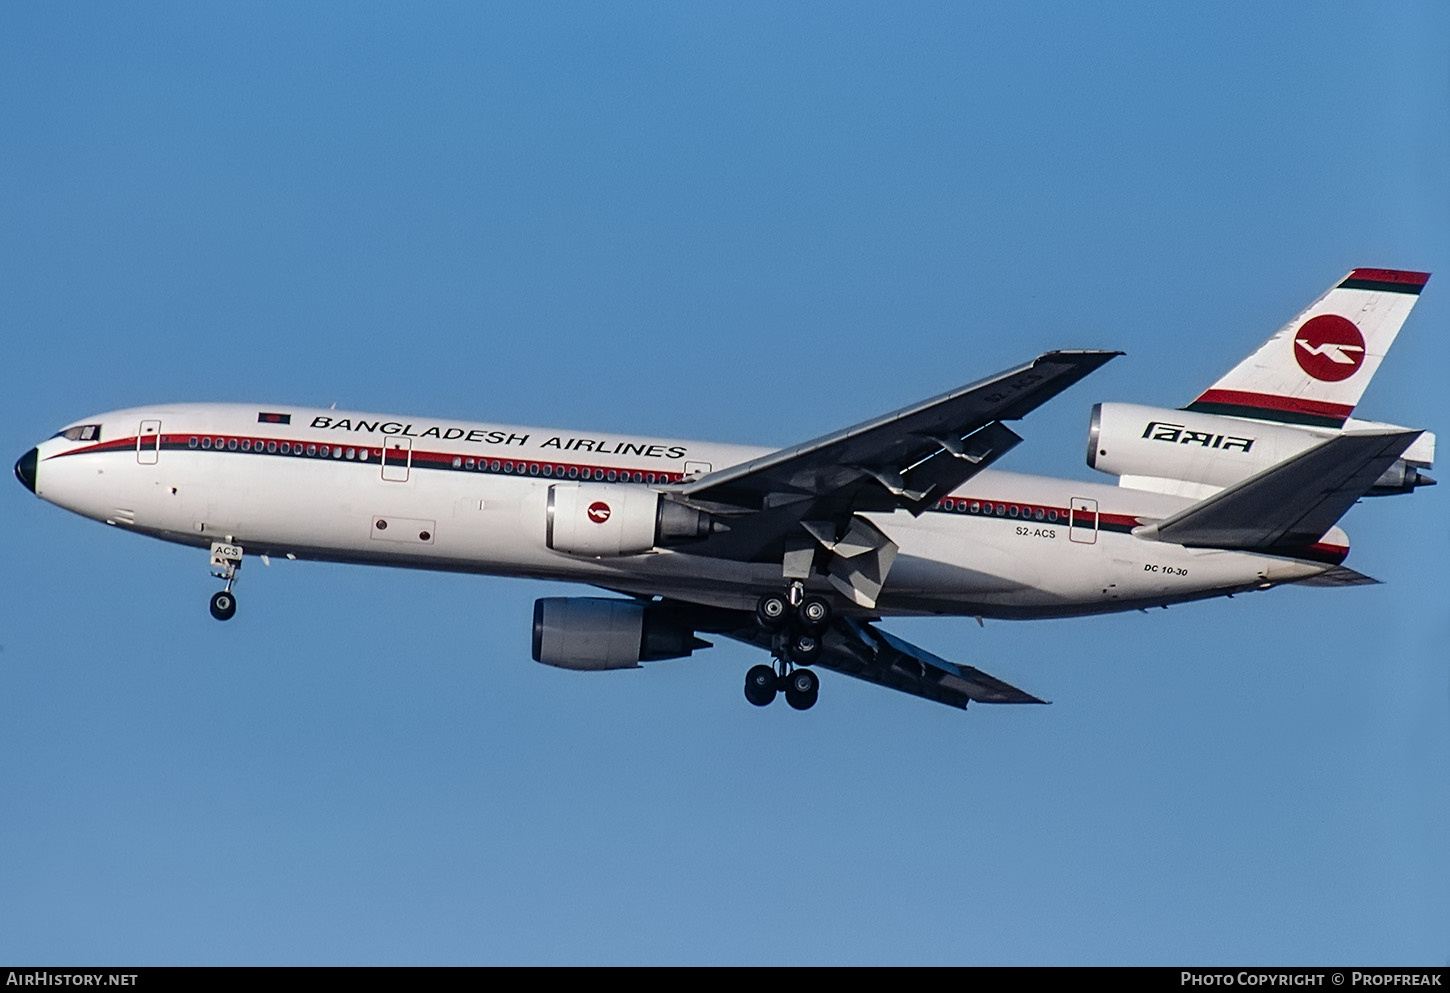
(801, 551)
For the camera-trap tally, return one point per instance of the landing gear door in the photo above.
(397, 458)
(1082, 521)
(148, 442)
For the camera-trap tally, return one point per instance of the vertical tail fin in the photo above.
(1315, 368)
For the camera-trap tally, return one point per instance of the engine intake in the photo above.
(596, 633)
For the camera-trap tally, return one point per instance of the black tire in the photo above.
(760, 685)
(223, 605)
(805, 648)
(814, 613)
(771, 611)
(801, 689)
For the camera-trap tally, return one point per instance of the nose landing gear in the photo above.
(226, 559)
(223, 605)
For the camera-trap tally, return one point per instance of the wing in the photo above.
(909, 459)
(859, 649)
(869, 653)
(1290, 504)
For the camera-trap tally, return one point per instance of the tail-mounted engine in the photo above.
(619, 519)
(1151, 448)
(599, 633)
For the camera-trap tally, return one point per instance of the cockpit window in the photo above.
(81, 432)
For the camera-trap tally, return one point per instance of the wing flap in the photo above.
(1288, 505)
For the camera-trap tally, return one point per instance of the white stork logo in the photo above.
(1332, 351)
(1329, 348)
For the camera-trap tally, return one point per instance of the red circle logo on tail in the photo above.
(1329, 347)
(598, 511)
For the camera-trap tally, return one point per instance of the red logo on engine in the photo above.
(1329, 347)
(598, 511)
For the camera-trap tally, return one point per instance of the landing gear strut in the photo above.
(226, 559)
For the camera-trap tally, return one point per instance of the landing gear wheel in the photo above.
(760, 685)
(223, 605)
(805, 647)
(801, 689)
(814, 613)
(771, 611)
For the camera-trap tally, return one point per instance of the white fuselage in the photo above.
(472, 497)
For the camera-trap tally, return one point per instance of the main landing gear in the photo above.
(226, 559)
(763, 682)
(796, 623)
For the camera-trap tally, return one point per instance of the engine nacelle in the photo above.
(594, 633)
(1126, 439)
(617, 519)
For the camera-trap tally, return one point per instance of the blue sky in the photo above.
(749, 223)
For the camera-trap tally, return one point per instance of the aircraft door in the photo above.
(1082, 526)
(397, 458)
(148, 442)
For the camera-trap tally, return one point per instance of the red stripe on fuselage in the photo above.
(418, 458)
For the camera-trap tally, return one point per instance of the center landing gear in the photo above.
(796, 623)
(226, 559)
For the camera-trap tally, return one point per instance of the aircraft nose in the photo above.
(25, 469)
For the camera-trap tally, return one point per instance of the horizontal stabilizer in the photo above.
(1288, 505)
(1340, 576)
